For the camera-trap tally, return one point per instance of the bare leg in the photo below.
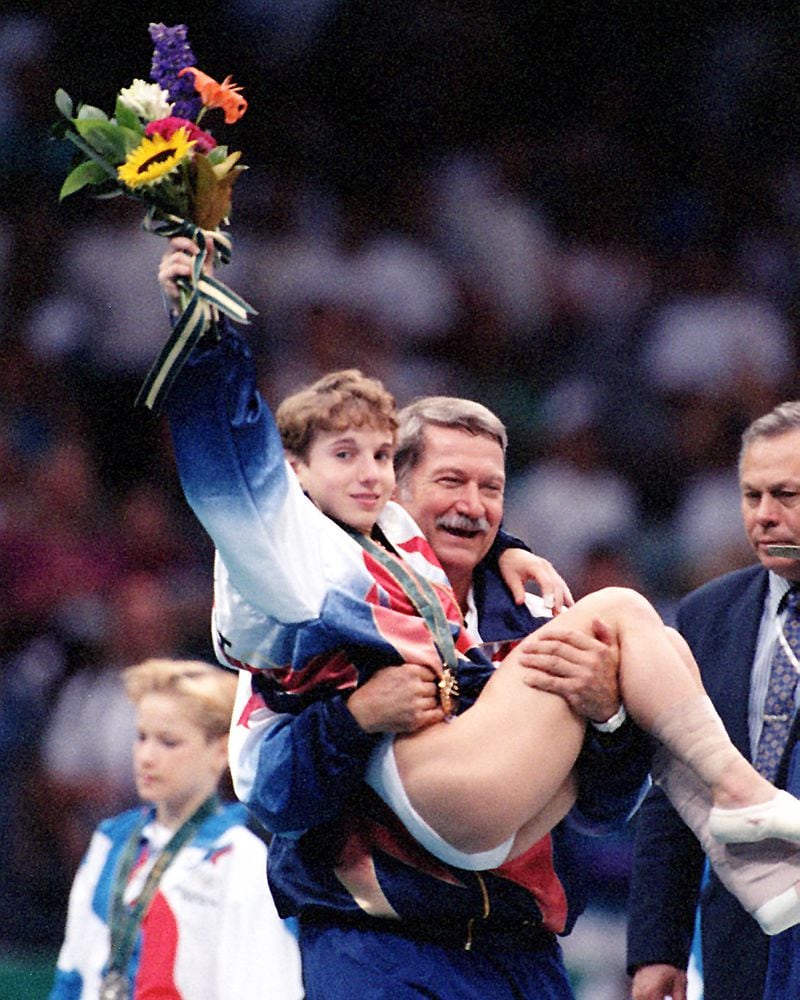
(662, 691)
(541, 824)
(480, 779)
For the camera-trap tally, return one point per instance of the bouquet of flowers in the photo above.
(154, 150)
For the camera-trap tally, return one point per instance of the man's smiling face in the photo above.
(455, 494)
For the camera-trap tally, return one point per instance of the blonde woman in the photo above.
(171, 899)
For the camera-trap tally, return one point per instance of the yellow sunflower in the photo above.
(154, 159)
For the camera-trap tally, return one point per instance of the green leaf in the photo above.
(112, 142)
(128, 118)
(88, 111)
(85, 173)
(217, 155)
(91, 153)
(64, 103)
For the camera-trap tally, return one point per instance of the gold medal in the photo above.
(114, 986)
(448, 691)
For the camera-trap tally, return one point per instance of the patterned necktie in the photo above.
(779, 704)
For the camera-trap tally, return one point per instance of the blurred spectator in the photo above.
(704, 529)
(32, 882)
(571, 500)
(86, 742)
(607, 564)
(712, 343)
(284, 27)
(29, 163)
(56, 551)
(494, 239)
(116, 317)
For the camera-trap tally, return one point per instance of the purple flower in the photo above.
(170, 55)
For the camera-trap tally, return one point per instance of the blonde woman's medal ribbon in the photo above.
(124, 921)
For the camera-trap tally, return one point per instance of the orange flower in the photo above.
(225, 95)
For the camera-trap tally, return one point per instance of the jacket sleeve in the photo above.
(84, 949)
(294, 772)
(269, 536)
(665, 885)
(502, 541)
(270, 969)
(613, 778)
(308, 766)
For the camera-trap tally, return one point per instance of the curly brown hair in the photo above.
(334, 402)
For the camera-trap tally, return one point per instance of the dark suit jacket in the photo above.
(720, 622)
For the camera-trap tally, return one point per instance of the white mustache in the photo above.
(461, 522)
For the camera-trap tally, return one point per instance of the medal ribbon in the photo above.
(425, 599)
(125, 922)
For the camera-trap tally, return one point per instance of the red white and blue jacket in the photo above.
(306, 612)
(211, 931)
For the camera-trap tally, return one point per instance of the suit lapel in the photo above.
(728, 683)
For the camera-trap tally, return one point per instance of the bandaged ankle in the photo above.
(693, 732)
(690, 797)
(763, 877)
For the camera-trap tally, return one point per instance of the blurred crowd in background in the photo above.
(589, 223)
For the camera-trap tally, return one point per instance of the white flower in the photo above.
(147, 100)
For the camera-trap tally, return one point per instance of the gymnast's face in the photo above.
(176, 763)
(349, 474)
(770, 489)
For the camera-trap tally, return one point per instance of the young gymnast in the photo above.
(170, 899)
(301, 601)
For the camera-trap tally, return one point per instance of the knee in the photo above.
(622, 603)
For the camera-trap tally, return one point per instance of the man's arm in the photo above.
(519, 566)
(295, 771)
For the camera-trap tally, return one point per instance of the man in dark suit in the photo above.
(734, 625)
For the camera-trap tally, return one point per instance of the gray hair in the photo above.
(785, 417)
(441, 411)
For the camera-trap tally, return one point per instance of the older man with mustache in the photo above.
(450, 470)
